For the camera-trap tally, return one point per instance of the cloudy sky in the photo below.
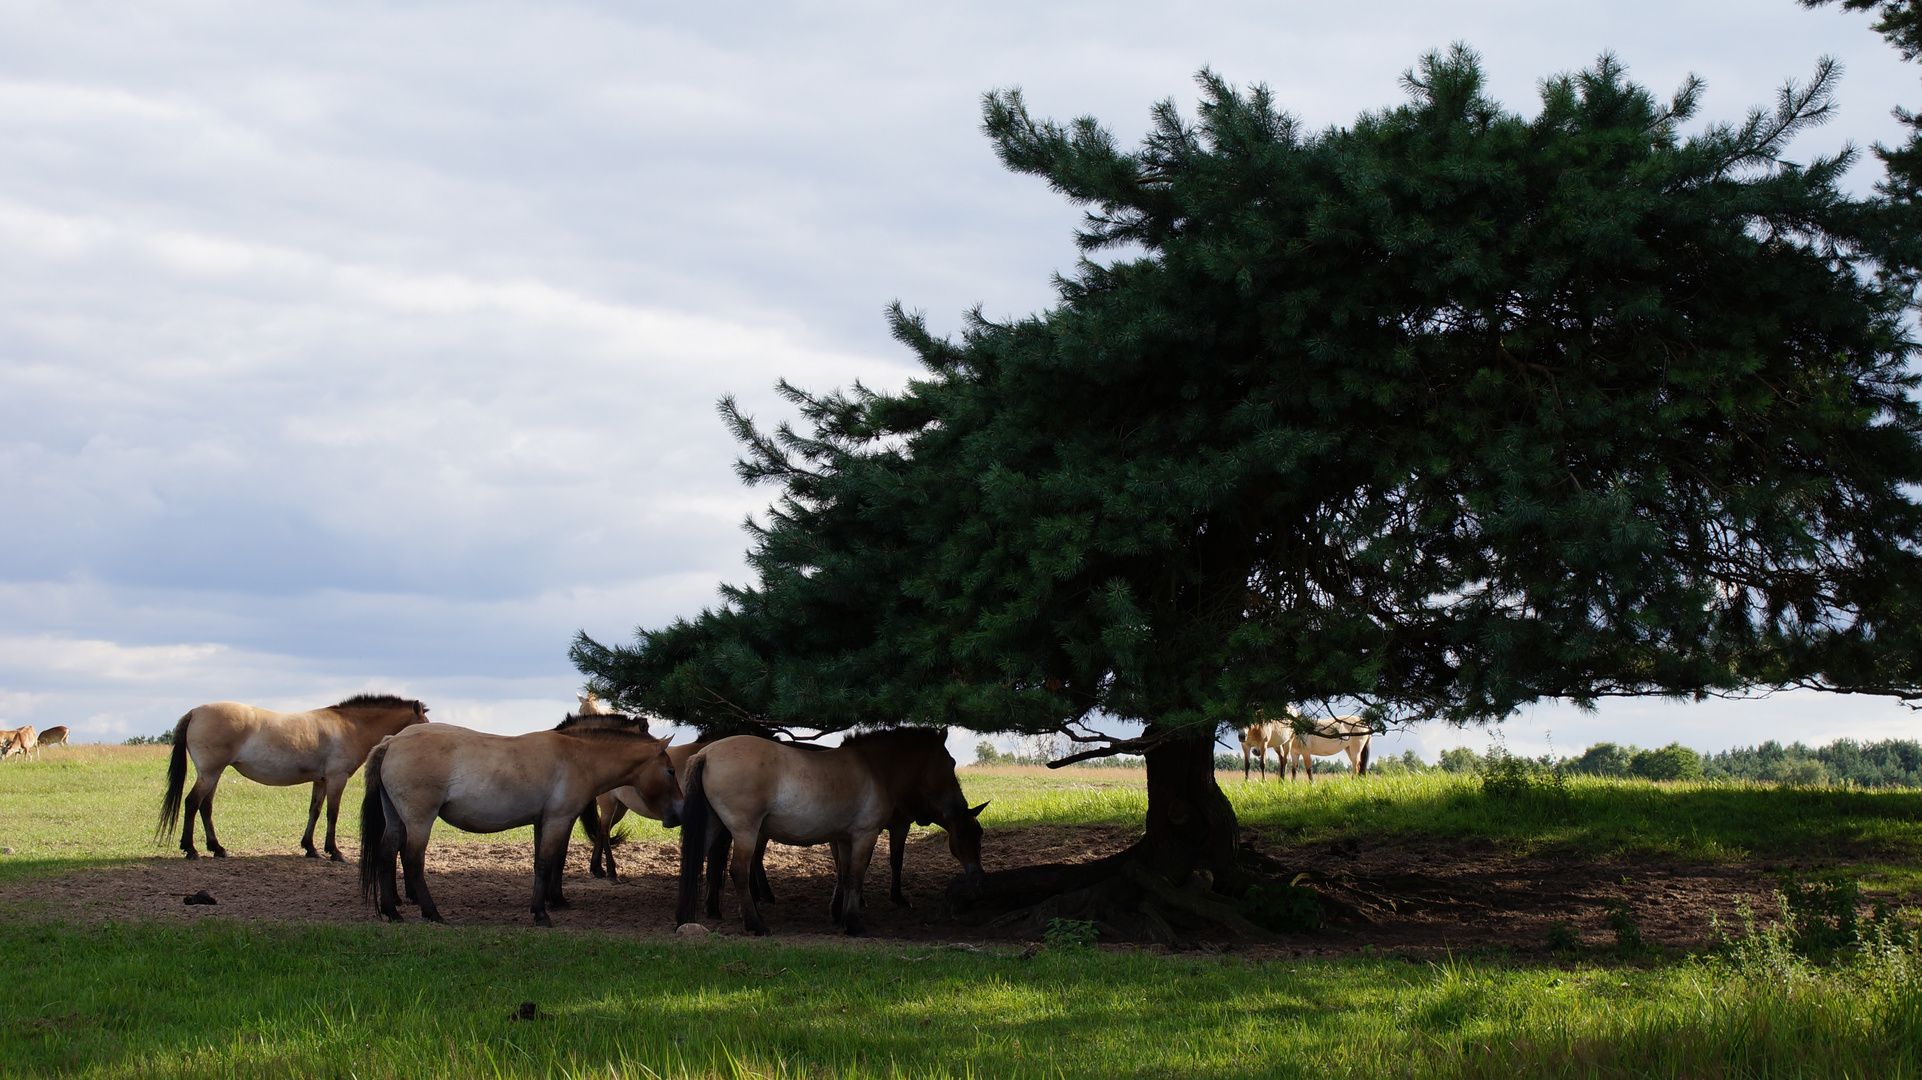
(358, 346)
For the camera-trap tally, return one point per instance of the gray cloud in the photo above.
(375, 345)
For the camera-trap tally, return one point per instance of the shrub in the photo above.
(1285, 909)
(1671, 762)
(1461, 760)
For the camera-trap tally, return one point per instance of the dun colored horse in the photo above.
(487, 783)
(21, 741)
(758, 790)
(1342, 734)
(53, 736)
(1263, 735)
(322, 747)
(594, 706)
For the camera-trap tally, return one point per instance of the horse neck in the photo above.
(373, 725)
(608, 760)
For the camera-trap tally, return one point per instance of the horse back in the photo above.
(801, 796)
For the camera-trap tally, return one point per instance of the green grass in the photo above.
(1718, 821)
(220, 999)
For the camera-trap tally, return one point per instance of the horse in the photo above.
(486, 783)
(662, 802)
(1262, 735)
(6, 742)
(593, 706)
(322, 747)
(21, 741)
(1342, 734)
(53, 736)
(759, 790)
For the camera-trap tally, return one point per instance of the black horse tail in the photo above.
(373, 822)
(694, 815)
(1361, 768)
(176, 780)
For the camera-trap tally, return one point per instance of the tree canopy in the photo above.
(1439, 413)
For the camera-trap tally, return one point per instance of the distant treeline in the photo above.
(165, 738)
(1889, 763)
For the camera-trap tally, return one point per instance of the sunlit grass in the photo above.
(226, 1000)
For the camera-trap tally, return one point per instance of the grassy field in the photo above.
(225, 999)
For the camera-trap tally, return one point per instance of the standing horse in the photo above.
(661, 801)
(53, 736)
(487, 783)
(1262, 735)
(759, 790)
(593, 706)
(1342, 734)
(322, 747)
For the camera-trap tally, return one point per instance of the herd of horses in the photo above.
(730, 797)
(1296, 741)
(736, 793)
(25, 742)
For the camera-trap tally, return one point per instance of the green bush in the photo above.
(1461, 760)
(1671, 762)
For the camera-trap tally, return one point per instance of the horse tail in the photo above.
(176, 779)
(694, 814)
(373, 821)
(1361, 769)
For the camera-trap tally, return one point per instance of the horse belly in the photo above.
(490, 812)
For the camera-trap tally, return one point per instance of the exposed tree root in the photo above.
(1121, 895)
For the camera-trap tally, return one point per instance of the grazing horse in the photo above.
(759, 790)
(487, 783)
(54, 736)
(1262, 735)
(1342, 734)
(15, 741)
(661, 801)
(323, 747)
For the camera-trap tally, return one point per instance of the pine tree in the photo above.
(1435, 415)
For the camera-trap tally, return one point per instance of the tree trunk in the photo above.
(1191, 825)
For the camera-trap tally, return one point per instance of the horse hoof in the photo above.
(543, 920)
(597, 871)
(857, 931)
(558, 904)
(393, 916)
(311, 853)
(190, 854)
(433, 916)
(220, 853)
(336, 856)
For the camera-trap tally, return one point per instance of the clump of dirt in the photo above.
(1415, 897)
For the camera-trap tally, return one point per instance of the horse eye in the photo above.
(670, 770)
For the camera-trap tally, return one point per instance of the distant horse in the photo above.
(487, 783)
(759, 790)
(1262, 735)
(54, 736)
(323, 747)
(593, 706)
(21, 741)
(1342, 734)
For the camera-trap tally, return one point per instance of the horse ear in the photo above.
(976, 811)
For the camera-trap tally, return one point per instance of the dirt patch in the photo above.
(1415, 898)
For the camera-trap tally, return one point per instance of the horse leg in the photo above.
(413, 861)
(313, 815)
(839, 899)
(610, 812)
(758, 882)
(557, 860)
(207, 824)
(204, 784)
(717, 859)
(1245, 763)
(741, 869)
(335, 789)
(897, 850)
(860, 852)
(550, 853)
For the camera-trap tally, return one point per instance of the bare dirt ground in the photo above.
(1415, 899)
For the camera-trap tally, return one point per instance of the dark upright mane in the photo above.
(604, 724)
(379, 701)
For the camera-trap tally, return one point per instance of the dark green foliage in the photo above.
(1460, 760)
(165, 738)
(1671, 762)
(1286, 909)
(1563, 938)
(1820, 911)
(1890, 763)
(1628, 932)
(1069, 934)
(1603, 759)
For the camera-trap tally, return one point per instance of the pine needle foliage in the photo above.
(1442, 412)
